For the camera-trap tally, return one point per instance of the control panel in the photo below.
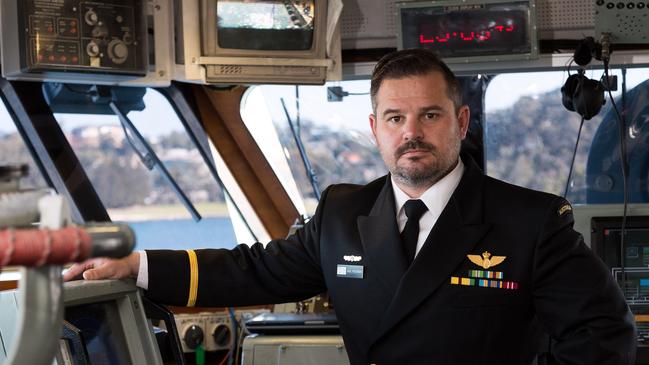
(198, 329)
(623, 21)
(211, 330)
(634, 282)
(107, 37)
(628, 260)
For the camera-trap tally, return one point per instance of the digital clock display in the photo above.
(468, 30)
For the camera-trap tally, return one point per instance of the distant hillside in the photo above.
(118, 175)
(13, 151)
(337, 155)
(529, 144)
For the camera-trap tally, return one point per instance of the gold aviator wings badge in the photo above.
(486, 261)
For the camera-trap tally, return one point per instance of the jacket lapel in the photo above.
(380, 239)
(456, 232)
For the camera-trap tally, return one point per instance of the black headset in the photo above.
(579, 93)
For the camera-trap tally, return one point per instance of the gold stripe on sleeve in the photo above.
(193, 278)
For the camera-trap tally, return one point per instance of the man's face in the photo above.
(417, 129)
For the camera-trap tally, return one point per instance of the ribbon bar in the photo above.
(485, 283)
(482, 274)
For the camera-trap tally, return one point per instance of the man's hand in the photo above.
(103, 268)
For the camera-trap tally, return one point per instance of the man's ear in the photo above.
(463, 118)
(373, 125)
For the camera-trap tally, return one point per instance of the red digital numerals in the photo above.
(480, 36)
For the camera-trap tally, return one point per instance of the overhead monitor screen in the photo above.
(265, 24)
(468, 30)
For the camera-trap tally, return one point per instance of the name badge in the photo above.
(349, 271)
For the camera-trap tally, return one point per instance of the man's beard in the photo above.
(425, 175)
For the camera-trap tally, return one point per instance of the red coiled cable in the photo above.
(37, 247)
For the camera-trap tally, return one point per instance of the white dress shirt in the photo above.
(143, 273)
(435, 199)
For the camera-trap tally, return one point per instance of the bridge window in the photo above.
(336, 136)
(530, 137)
(142, 198)
(13, 151)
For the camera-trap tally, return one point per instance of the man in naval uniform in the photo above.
(435, 263)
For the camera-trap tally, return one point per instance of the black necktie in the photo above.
(414, 210)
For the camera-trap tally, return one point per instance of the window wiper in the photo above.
(149, 157)
(310, 171)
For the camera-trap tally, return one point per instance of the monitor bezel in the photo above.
(531, 28)
(209, 36)
(142, 346)
(599, 224)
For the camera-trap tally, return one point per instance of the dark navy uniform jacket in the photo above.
(444, 308)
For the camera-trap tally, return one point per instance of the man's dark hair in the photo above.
(413, 62)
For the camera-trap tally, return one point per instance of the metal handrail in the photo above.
(40, 291)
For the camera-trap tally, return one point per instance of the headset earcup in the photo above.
(568, 91)
(588, 98)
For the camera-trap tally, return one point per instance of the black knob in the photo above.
(640, 5)
(600, 2)
(222, 335)
(630, 5)
(620, 5)
(193, 337)
(610, 6)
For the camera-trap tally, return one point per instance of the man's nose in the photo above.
(412, 129)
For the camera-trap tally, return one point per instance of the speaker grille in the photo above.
(565, 15)
(626, 21)
(229, 70)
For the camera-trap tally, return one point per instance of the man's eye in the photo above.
(394, 119)
(432, 116)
